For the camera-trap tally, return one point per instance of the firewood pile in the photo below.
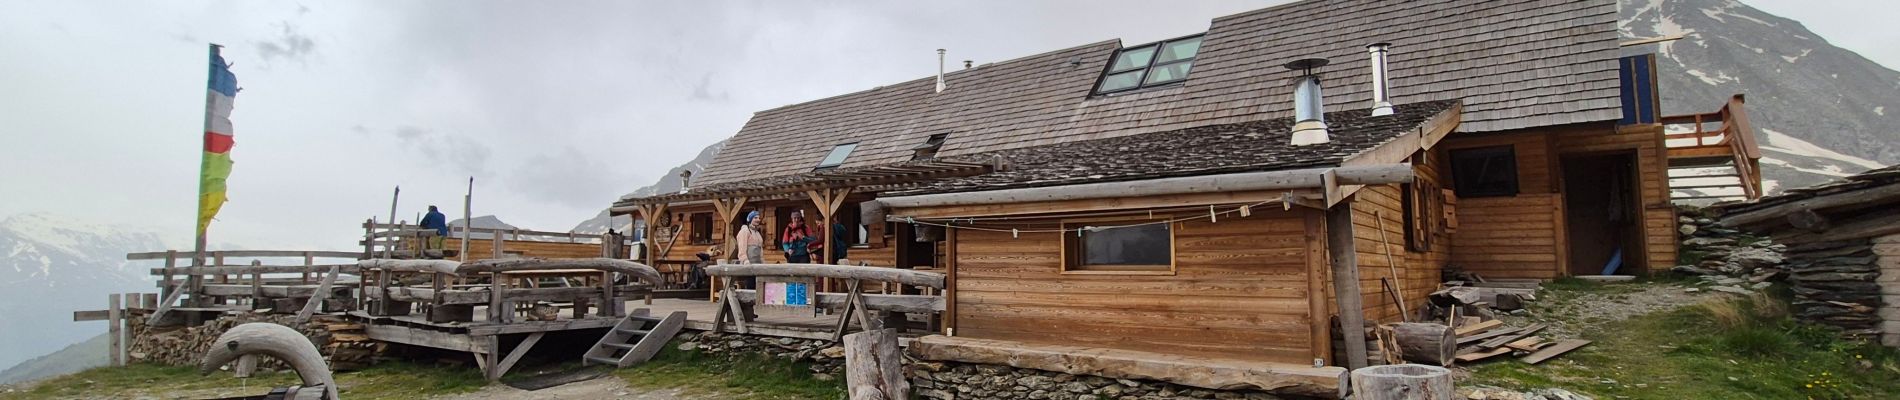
(1460, 326)
(345, 344)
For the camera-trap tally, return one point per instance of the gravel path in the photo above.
(1566, 312)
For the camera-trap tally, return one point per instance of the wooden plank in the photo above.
(113, 318)
(160, 255)
(1553, 351)
(422, 337)
(1468, 330)
(905, 303)
(1507, 339)
(1462, 340)
(494, 374)
(1480, 355)
(91, 315)
(316, 299)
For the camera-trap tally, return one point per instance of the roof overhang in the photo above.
(867, 179)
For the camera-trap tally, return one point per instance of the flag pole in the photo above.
(466, 200)
(389, 251)
(195, 282)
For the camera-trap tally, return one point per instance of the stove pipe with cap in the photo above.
(1309, 107)
(1380, 105)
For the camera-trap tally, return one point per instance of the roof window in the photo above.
(837, 156)
(1149, 65)
(928, 150)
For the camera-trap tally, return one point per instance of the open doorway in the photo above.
(1601, 219)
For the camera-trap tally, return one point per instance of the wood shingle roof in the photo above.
(1512, 63)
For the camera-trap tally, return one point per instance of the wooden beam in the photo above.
(1658, 39)
(1320, 328)
(904, 303)
(316, 299)
(880, 274)
(160, 255)
(494, 374)
(1857, 198)
(1238, 182)
(1344, 261)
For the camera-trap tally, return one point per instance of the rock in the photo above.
(1560, 394)
(1692, 270)
(1727, 281)
(822, 377)
(1076, 387)
(1686, 230)
(1685, 220)
(1691, 290)
(1707, 241)
(1761, 285)
(832, 352)
(688, 346)
(1704, 221)
(1753, 258)
(1732, 289)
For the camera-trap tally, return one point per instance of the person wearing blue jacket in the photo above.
(440, 223)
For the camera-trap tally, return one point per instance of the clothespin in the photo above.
(1211, 215)
(1013, 233)
(1246, 210)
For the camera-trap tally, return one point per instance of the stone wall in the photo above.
(827, 359)
(1888, 249)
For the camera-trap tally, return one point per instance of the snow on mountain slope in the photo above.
(1819, 109)
(54, 265)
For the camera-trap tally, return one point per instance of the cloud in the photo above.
(291, 45)
(568, 177)
(459, 154)
(702, 91)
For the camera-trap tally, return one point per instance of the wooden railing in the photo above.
(735, 304)
(214, 268)
(1733, 139)
(501, 294)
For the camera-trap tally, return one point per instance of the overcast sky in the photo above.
(554, 108)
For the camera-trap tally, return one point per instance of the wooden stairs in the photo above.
(635, 339)
(1727, 149)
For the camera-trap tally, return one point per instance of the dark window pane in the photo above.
(1485, 171)
(1132, 59)
(1180, 50)
(1120, 81)
(1135, 245)
(1169, 73)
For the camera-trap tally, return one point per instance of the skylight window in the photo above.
(1150, 65)
(837, 156)
(928, 150)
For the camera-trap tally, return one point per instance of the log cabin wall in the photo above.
(1517, 236)
(1652, 159)
(1240, 290)
(1418, 271)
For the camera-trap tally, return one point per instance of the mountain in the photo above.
(668, 183)
(77, 357)
(1821, 111)
(55, 265)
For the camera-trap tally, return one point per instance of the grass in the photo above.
(1744, 348)
(385, 381)
(750, 376)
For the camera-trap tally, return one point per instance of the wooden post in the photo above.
(1345, 268)
(873, 369)
(257, 282)
(114, 319)
(369, 238)
(495, 244)
(1401, 382)
(171, 261)
(149, 302)
(308, 261)
(607, 302)
(499, 311)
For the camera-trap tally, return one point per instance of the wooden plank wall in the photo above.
(1652, 160)
(1418, 272)
(1888, 249)
(1240, 292)
(482, 248)
(1511, 236)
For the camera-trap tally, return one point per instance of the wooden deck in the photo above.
(417, 330)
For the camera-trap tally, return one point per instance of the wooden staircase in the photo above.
(1714, 159)
(635, 339)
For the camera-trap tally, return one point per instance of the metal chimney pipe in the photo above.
(686, 180)
(1309, 105)
(1380, 104)
(940, 86)
(966, 64)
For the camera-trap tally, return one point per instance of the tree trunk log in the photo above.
(1402, 382)
(1426, 343)
(873, 368)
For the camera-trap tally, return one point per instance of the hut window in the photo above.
(837, 156)
(1484, 171)
(1141, 249)
(1149, 65)
(702, 228)
(928, 150)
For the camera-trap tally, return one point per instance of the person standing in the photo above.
(838, 244)
(797, 239)
(750, 246)
(440, 223)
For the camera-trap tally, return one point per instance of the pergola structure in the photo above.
(827, 189)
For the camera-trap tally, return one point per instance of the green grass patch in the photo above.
(749, 376)
(384, 381)
(1737, 349)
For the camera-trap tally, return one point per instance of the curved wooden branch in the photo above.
(276, 341)
(903, 276)
(435, 266)
(638, 270)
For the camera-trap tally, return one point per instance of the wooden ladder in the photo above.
(635, 339)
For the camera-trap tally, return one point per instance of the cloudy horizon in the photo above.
(555, 109)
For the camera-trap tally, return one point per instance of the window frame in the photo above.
(701, 223)
(1154, 61)
(928, 150)
(1072, 251)
(1464, 187)
(841, 160)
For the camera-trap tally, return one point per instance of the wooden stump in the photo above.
(873, 368)
(1402, 382)
(1426, 343)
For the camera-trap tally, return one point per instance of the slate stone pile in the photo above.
(1729, 260)
(955, 381)
(186, 346)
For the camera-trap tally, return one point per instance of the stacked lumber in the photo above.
(1480, 340)
(350, 347)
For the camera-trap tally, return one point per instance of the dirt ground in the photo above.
(606, 387)
(1564, 312)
